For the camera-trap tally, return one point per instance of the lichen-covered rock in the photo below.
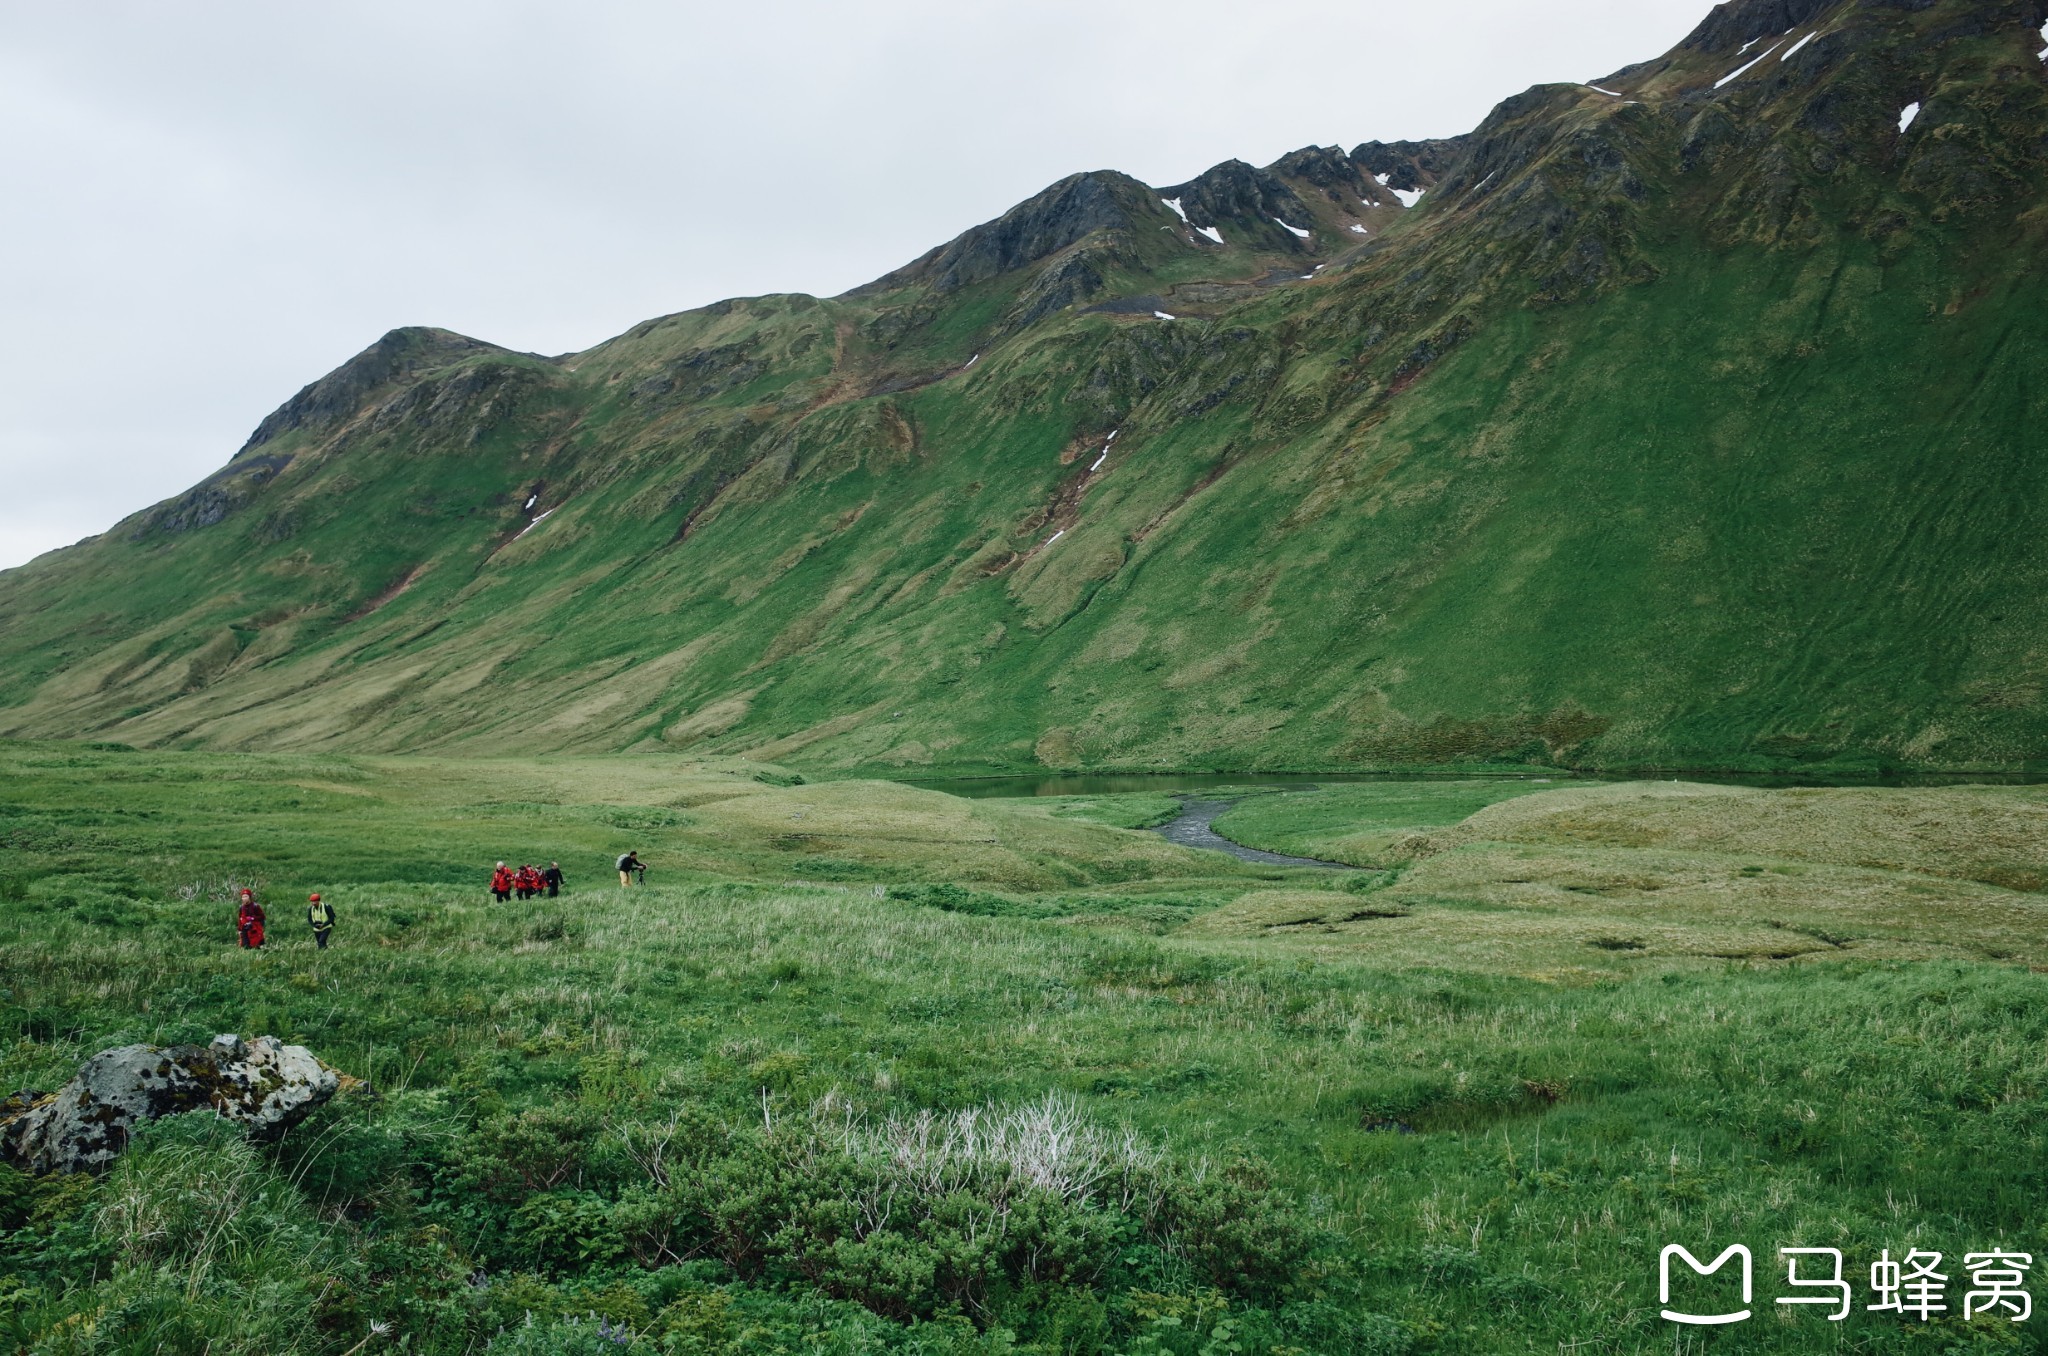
(265, 1084)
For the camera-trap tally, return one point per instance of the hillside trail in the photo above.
(1195, 827)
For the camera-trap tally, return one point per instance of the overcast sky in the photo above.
(205, 206)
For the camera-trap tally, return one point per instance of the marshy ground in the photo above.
(1454, 1100)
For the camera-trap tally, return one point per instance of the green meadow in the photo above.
(865, 1068)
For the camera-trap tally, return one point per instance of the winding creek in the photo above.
(1195, 827)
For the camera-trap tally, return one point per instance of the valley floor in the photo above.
(1455, 1100)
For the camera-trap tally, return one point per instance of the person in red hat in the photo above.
(249, 921)
(321, 915)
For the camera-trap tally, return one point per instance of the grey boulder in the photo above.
(265, 1084)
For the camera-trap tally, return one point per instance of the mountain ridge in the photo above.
(1536, 469)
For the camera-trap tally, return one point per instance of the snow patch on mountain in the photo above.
(1174, 203)
(1296, 229)
(1409, 196)
(1799, 44)
(1211, 232)
(1907, 114)
(1738, 71)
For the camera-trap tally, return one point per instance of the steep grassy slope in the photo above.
(1688, 424)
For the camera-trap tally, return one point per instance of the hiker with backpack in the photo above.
(501, 883)
(320, 915)
(249, 921)
(631, 866)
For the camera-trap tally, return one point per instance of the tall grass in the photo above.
(697, 1110)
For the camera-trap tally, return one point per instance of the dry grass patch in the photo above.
(1994, 835)
(1267, 912)
(1614, 878)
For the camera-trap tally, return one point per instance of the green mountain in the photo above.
(1690, 419)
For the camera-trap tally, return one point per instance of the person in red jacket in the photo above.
(528, 881)
(249, 921)
(501, 883)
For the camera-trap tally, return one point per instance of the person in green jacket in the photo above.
(321, 915)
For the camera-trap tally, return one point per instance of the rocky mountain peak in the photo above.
(401, 353)
(1037, 228)
(1254, 201)
(1324, 166)
(1409, 165)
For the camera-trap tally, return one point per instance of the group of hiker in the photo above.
(250, 920)
(526, 882)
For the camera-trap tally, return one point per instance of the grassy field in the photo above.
(797, 1094)
(1362, 823)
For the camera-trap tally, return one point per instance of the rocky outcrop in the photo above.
(1246, 203)
(1409, 164)
(1735, 22)
(1063, 215)
(342, 393)
(1326, 167)
(212, 499)
(265, 1084)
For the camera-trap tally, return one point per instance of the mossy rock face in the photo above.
(265, 1084)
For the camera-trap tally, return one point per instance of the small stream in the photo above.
(1195, 827)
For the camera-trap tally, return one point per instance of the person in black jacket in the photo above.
(553, 878)
(629, 865)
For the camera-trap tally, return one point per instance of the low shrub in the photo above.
(973, 1213)
(960, 899)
